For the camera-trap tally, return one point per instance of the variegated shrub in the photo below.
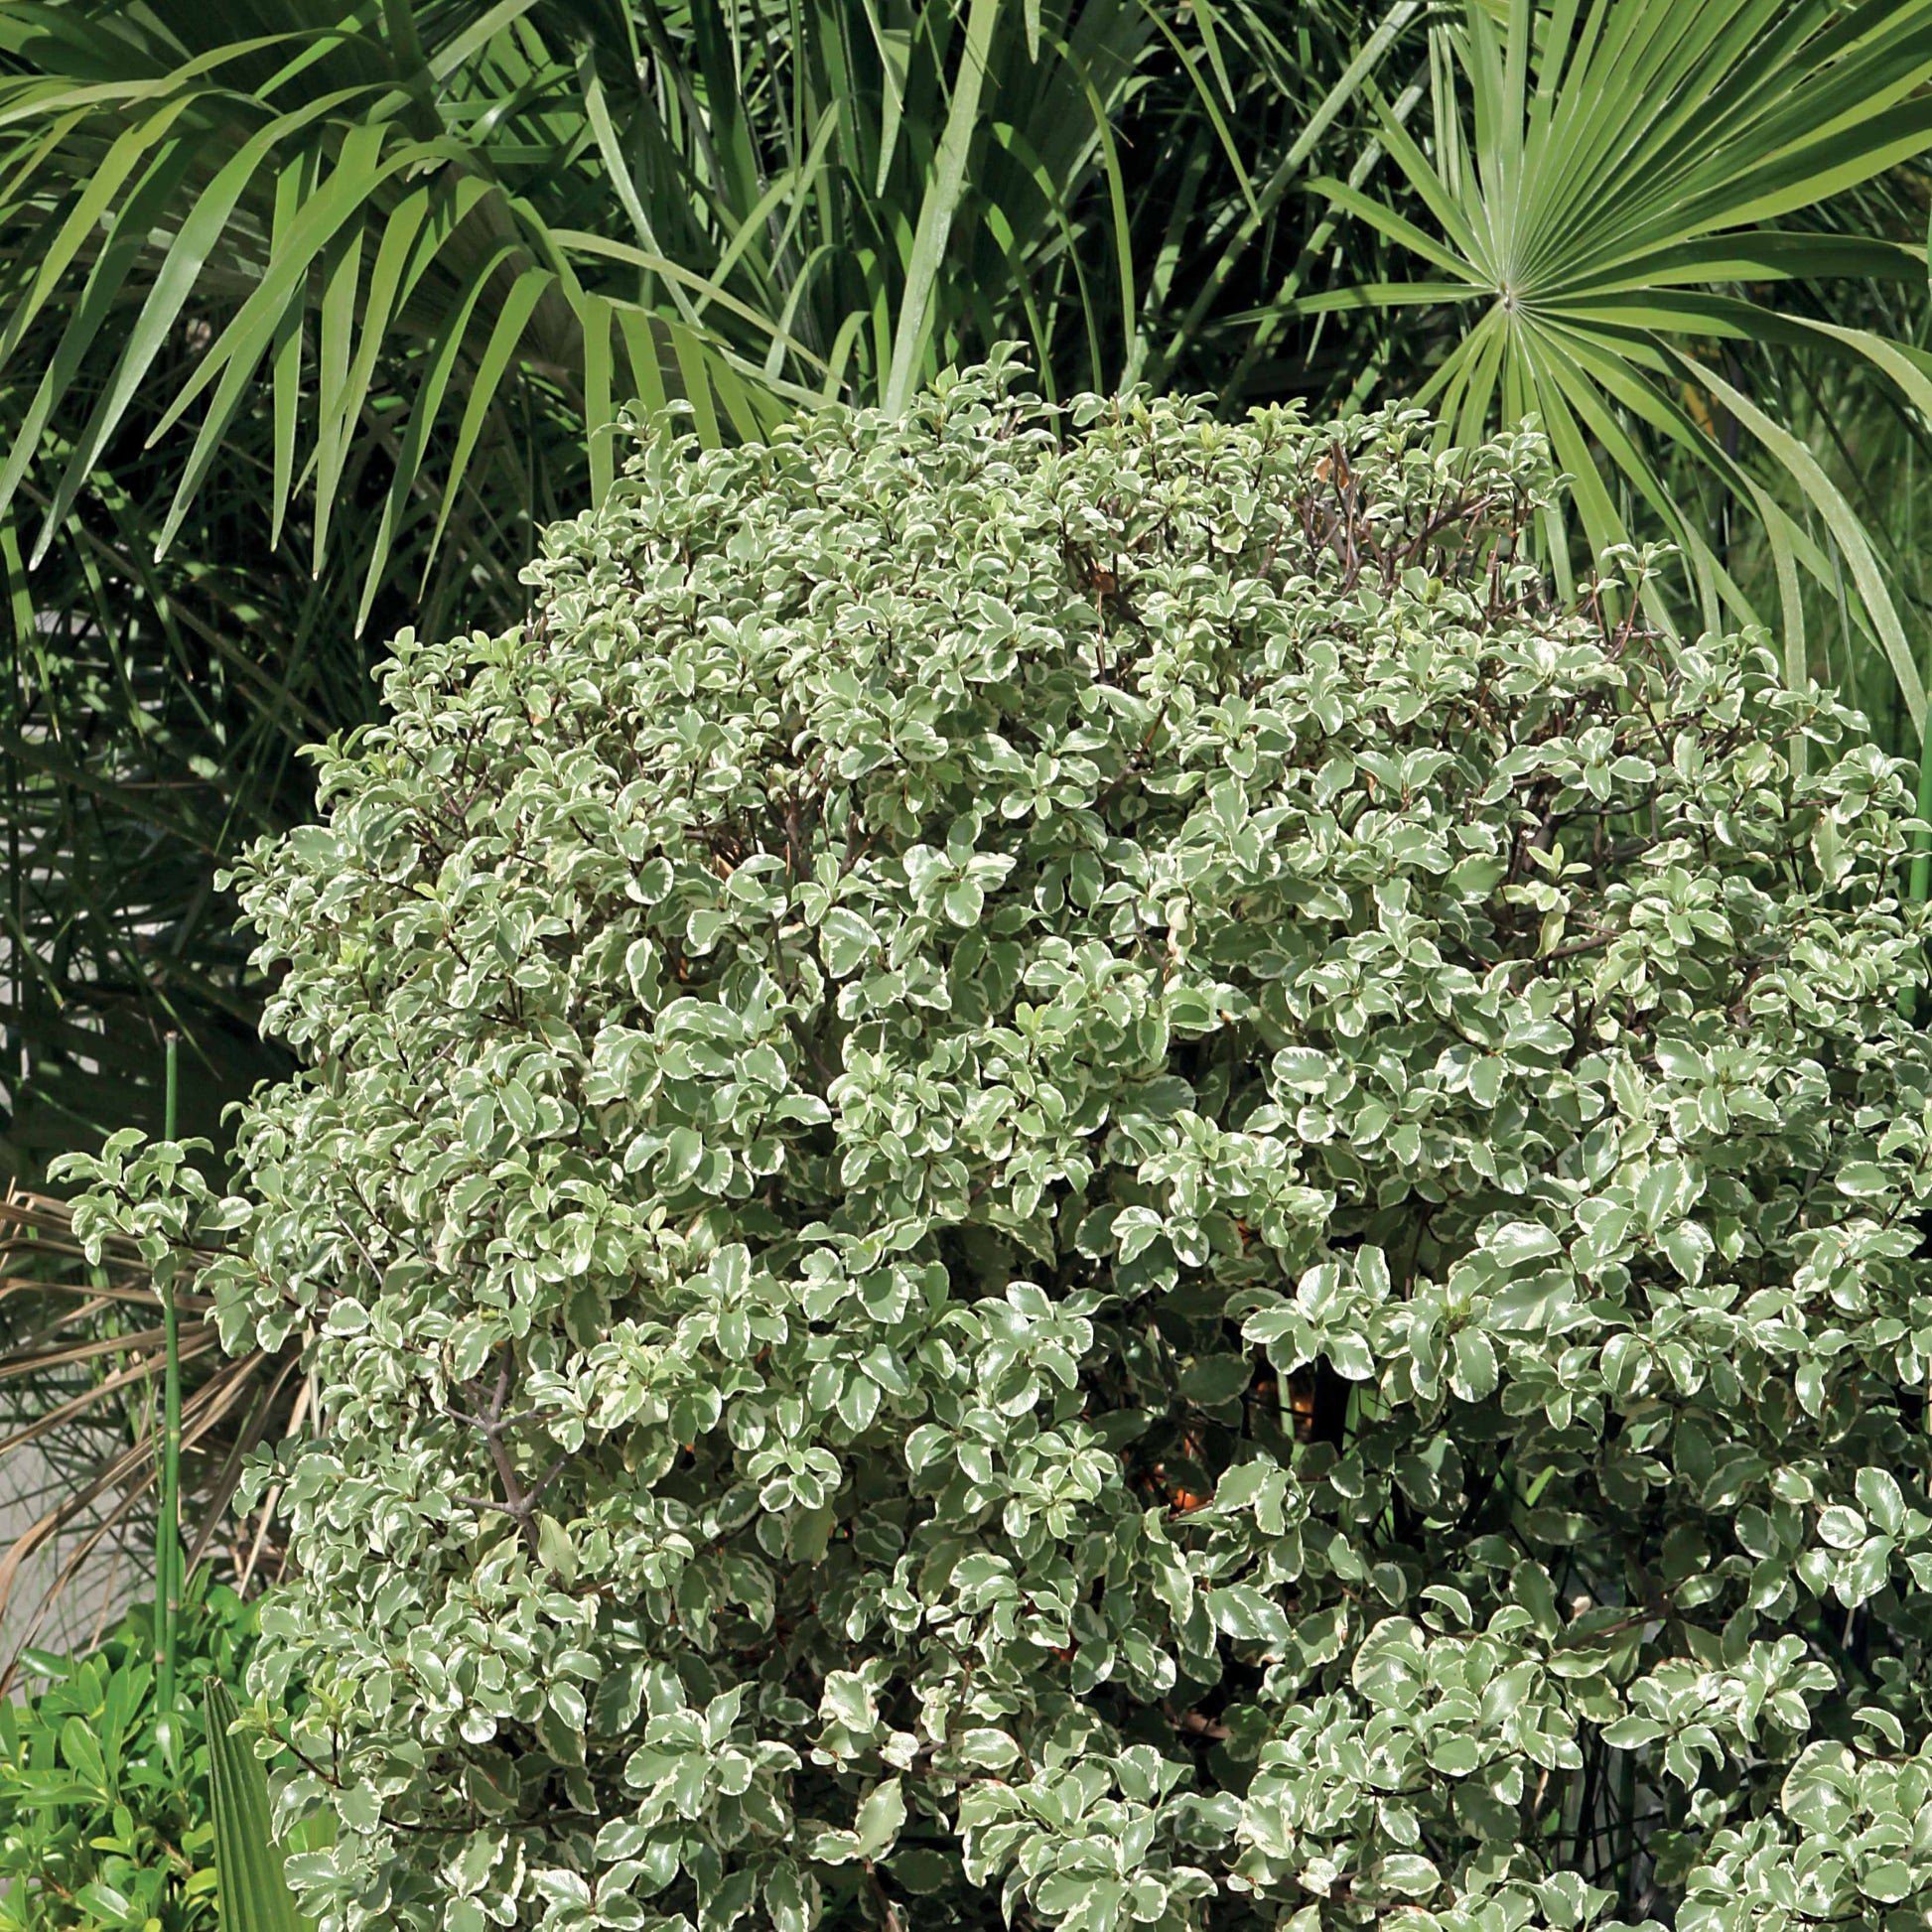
(1059, 1165)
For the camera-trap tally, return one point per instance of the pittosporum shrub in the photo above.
(1064, 1169)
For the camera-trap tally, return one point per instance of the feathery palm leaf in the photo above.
(423, 219)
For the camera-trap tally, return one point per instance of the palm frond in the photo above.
(1608, 200)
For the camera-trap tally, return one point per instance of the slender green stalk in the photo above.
(1919, 885)
(1918, 882)
(167, 1555)
(1626, 1806)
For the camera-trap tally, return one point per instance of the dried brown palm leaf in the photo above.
(81, 1357)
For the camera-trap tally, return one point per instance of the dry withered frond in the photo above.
(81, 1355)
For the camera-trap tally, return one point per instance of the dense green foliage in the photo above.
(1068, 1167)
(102, 1829)
(312, 312)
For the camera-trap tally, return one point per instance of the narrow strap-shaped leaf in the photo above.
(1367, 295)
(97, 301)
(504, 337)
(1349, 84)
(293, 184)
(1822, 170)
(693, 370)
(1211, 107)
(342, 283)
(1205, 25)
(1490, 341)
(1182, 203)
(717, 34)
(26, 163)
(646, 372)
(791, 193)
(1843, 522)
(342, 410)
(611, 148)
(563, 243)
(1558, 39)
(1634, 121)
(1759, 255)
(1313, 247)
(1564, 386)
(939, 204)
(752, 412)
(424, 414)
(1552, 388)
(1339, 194)
(1653, 405)
(1449, 213)
(176, 282)
(1684, 173)
(461, 47)
(594, 314)
(237, 377)
(1117, 205)
(1013, 250)
(136, 146)
(1484, 62)
(1778, 531)
(338, 204)
(1516, 56)
(893, 55)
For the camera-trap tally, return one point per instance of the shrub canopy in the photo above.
(1072, 1168)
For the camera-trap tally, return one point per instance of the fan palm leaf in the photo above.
(1608, 205)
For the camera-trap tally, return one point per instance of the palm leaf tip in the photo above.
(253, 1893)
